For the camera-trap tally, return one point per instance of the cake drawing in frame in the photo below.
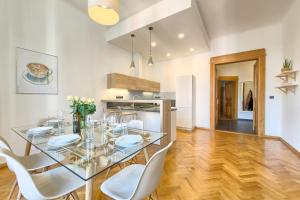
(37, 72)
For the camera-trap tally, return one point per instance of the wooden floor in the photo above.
(208, 165)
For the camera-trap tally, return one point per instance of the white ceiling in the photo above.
(222, 17)
(127, 7)
(165, 35)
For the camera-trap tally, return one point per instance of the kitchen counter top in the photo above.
(154, 109)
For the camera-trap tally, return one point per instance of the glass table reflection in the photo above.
(88, 159)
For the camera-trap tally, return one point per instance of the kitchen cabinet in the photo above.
(122, 81)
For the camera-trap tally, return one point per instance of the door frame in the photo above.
(260, 56)
(235, 79)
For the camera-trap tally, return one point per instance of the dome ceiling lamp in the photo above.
(150, 60)
(105, 12)
(132, 65)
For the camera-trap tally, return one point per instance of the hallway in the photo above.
(240, 126)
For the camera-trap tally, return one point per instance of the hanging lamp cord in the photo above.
(150, 29)
(132, 36)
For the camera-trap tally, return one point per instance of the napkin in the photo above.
(39, 130)
(63, 140)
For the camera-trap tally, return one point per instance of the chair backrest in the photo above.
(136, 124)
(25, 181)
(4, 144)
(151, 175)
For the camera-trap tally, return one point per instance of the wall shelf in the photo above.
(287, 88)
(288, 74)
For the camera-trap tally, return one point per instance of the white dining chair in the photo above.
(52, 184)
(31, 163)
(137, 181)
(132, 124)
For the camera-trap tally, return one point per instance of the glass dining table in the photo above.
(89, 159)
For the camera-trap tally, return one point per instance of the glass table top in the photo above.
(87, 160)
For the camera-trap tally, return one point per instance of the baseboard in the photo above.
(203, 128)
(184, 129)
(271, 137)
(290, 147)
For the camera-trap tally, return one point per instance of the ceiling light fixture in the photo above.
(180, 35)
(168, 54)
(150, 60)
(132, 65)
(104, 12)
(153, 44)
(192, 49)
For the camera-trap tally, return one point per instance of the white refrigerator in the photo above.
(185, 102)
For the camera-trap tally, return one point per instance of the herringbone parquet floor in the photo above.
(214, 165)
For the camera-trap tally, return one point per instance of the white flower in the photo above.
(70, 98)
(76, 98)
(83, 99)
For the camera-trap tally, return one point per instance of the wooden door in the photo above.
(226, 100)
(227, 97)
(228, 94)
(255, 92)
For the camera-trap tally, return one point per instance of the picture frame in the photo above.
(36, 72)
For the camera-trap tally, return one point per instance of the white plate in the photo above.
(129, 140)
(54, 121)
(39, 130)
(63, 140)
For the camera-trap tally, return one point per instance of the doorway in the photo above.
(235, 97)
(225, 113)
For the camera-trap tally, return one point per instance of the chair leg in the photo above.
(75, 195)
(156, 194)
(12, 190)
(46, 169)
(120, 165)
(107, 173)
(19, 197)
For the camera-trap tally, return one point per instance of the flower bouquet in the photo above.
(81, 108)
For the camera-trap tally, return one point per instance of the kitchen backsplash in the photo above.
(118, 93)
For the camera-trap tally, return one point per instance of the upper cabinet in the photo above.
(121, 81)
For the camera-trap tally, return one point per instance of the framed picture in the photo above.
(36, 72)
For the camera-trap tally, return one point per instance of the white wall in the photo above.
(57, 28)
(267, 37)
(244, 70)
(198, 65)
(270, 39)
(291, 49)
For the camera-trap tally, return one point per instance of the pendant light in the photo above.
(132, 65)
(150, 60)
(105, 12)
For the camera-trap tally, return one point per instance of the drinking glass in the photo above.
(89, 130)
(60, 125)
